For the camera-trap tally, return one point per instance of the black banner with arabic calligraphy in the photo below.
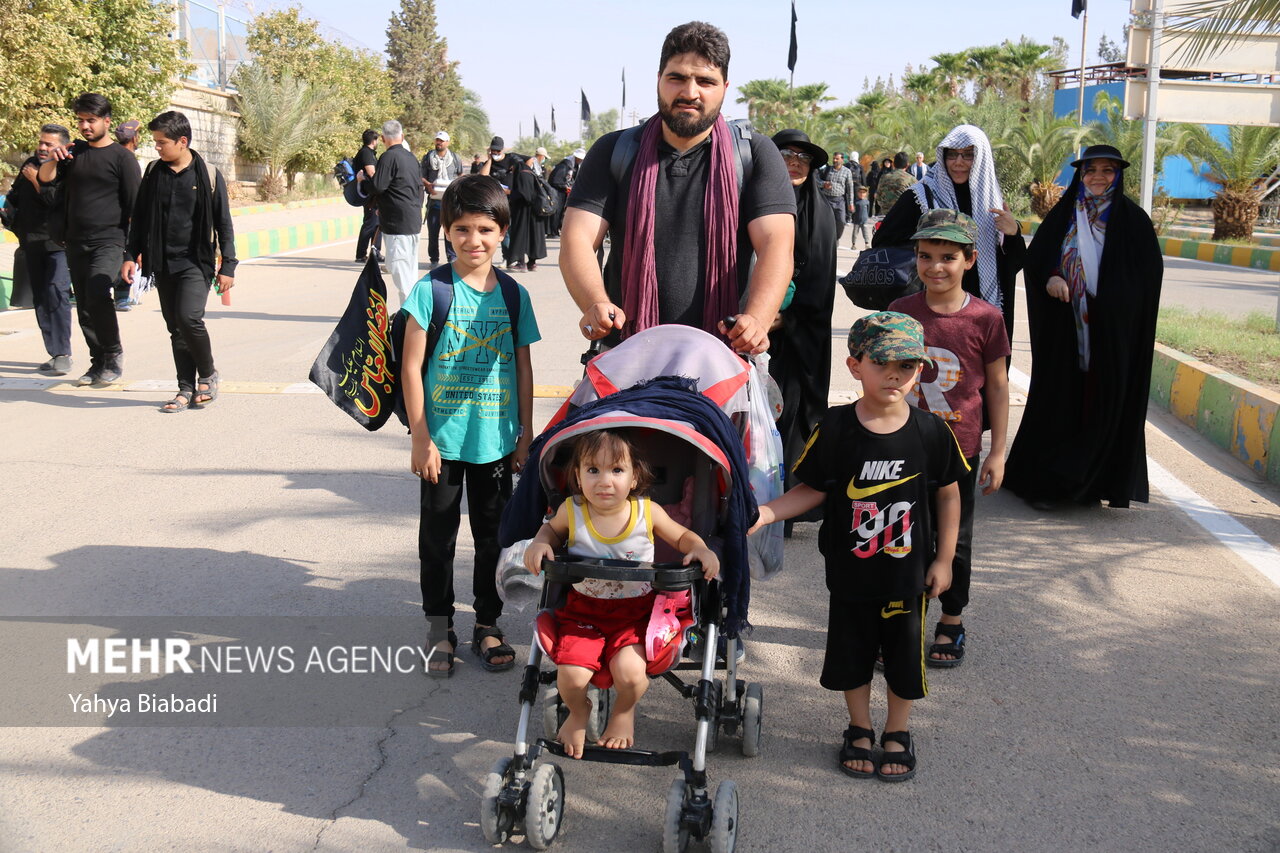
(356, 368)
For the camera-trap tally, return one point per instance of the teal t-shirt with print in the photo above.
(473, 410)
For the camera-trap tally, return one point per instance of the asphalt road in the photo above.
(1120, 692)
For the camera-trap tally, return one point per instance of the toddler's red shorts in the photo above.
(593, 630)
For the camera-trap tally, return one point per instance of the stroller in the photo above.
(698, 464)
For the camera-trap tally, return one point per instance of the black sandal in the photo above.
(432, 640)
(498, 651)
(956, 647)
(849, 752)
(906, 758)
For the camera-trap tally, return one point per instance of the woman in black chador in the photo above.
(800, 344)
(1093, 275)
(527, 235)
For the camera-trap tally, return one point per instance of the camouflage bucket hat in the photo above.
(950, 225)
(888, 336)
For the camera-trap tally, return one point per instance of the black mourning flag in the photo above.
(586, 107)
(1077, 6)
(791, 54)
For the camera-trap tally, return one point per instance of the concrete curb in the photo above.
(1233, 413)
(1203, 250)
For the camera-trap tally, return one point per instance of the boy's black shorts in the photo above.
(857, 631)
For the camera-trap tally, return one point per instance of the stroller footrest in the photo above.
(634, 757)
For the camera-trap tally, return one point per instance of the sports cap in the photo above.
(443, 135)
(888, 336)
(950, 225)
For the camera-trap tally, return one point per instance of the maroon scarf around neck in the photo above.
(720, 218)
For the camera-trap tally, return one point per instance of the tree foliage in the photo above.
(279, 118)
(423, 80)
(55, 50)
(357, 89)
(1245, 169)
(470, 133)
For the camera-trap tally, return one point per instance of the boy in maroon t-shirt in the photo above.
(967, 342)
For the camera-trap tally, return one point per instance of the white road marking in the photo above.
(1241, 541)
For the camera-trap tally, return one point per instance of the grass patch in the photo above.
(1248, 347)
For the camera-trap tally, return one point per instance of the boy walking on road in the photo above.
(967, 342)
(469, 399)
(878, 467)
(181, 220)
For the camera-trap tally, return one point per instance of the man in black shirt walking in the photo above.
(97, 179)
(181, 211)
(397, 185)
(366, 162)
(46, 261)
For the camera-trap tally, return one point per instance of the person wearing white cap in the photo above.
(539, 157)
(440, 167)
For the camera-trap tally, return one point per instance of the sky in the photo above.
(521, 58)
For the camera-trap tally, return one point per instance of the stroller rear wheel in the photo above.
(544, 809)
(554, 712)
(675, 836)
(724, 819)
(752, 720)
(495, 823)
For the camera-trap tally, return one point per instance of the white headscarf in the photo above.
(984, 195)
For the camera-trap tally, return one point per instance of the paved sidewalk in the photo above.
(1120, 692)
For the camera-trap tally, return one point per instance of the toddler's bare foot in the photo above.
(621, 731)
(573, 734)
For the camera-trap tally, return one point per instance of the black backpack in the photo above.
(624, 150)
(545, 202)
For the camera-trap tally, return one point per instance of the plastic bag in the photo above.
(764, 459)
(517, 586)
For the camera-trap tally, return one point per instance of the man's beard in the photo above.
(684, 125)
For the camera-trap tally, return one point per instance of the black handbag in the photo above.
(882, 275)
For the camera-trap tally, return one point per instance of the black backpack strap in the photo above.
(511, 297)
(441, 303)
(624, 152)
(742, 132)
(628, 143)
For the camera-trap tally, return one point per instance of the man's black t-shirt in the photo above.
(398, 187)
(679, 232)
(364, 157)
(99, 186)
(878, 533)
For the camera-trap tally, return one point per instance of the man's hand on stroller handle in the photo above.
(746, 333)
(601, 319)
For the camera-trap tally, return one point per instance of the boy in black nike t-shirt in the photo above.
(885, 473)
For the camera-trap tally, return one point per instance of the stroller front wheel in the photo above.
(544, 809)
(495, 823)
(675, 836)
(752, 720)
(724, 819)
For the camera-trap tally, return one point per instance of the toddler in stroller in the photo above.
(606, 625)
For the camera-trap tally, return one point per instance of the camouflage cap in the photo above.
(888, 336)
(950, 225)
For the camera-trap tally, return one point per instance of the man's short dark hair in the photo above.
(480, 194)
(93, 104)
(697, 37)
(63, 133)
(900, 160)
(172, 124)
(368, 136)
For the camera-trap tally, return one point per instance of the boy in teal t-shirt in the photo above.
(470, 407)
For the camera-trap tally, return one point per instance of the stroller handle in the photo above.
(566, 568)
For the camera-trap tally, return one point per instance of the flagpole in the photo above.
(1084, 41)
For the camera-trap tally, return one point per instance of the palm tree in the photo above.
(915, 127)
(984, 69)
(1240, 169)
(278, 119)
(471, 131)
(952, 69)
(920, 86)
(1022, 63)
(1220, 23)
(766, 100)
(1043, 144)
(871, 105)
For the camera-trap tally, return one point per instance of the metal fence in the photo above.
(216, 42)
